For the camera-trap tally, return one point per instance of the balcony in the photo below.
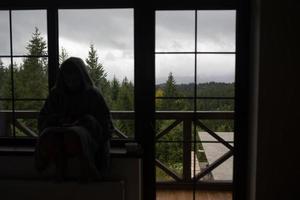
(196, 171)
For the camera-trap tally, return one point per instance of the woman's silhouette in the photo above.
(74, 121)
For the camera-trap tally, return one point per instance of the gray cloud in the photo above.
(175, 30)
(23, 25)
(217, 68)
(111, 31)
(4, 33)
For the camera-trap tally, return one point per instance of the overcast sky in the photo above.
(111, 32)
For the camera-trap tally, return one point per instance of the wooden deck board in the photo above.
(188, 195)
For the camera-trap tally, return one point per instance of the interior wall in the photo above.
(277, 168)
(21, 169)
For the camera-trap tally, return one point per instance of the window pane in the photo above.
(29, 27)
(216, 31)
(27, 126)
(171, 155)
(29, 105)
(175, 31)
(30, 77)
(5, 104)
(104, 40)
(176, 134)
(219, 125)
(5, 78)
(124, 128)
(172, 71)
(214, 151)
(215, 104)
(174, 104)
(4, 33)
(216, 75)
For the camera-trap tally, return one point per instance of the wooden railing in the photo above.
(188, 119)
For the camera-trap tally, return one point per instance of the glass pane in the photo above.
(6, 118)
(216, 68)
(225, 125)
(173, 105)
(175, 31)
(104, 40)
(170, 155)
(5, 78)
(124, 128)
(34, 106)
(216, 31)
(31, 77)
(27, 126)
(176, 134)
(173, 71)
(5, 105)
(29, 32)
(162, 176)
(4, 33)
(213, 150)
(119, 94)
(215, 89)
(215, 105)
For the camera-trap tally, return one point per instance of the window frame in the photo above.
(243, 69)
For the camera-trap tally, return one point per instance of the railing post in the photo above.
(187, 147)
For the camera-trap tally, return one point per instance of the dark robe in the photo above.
(83, 112)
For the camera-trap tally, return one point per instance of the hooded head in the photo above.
(73, 76)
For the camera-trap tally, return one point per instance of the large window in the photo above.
(23, 69)
(195, 72)
(103, 38)
(195, 56)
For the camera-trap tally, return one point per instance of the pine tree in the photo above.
(31, 76)
(98, 74)
(125, 98)
(63, 55)
(115, 87)
(125, 102)
(95, 68)
(37, 45)
(170, 90)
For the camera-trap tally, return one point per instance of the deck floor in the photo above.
(188, 195)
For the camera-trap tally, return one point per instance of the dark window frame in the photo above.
(190, 142)
(243, 69)
(52, 21)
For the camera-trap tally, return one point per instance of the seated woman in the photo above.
(74, 121)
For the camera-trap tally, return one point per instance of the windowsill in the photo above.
(29, 151)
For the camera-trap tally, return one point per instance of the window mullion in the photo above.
(53, 50)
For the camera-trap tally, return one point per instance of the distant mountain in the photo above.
(200, 79)
(210, 89)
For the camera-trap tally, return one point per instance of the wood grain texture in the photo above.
(188, 195)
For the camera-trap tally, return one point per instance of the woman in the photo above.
(74, 121)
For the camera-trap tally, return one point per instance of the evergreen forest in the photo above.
(30, 81)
